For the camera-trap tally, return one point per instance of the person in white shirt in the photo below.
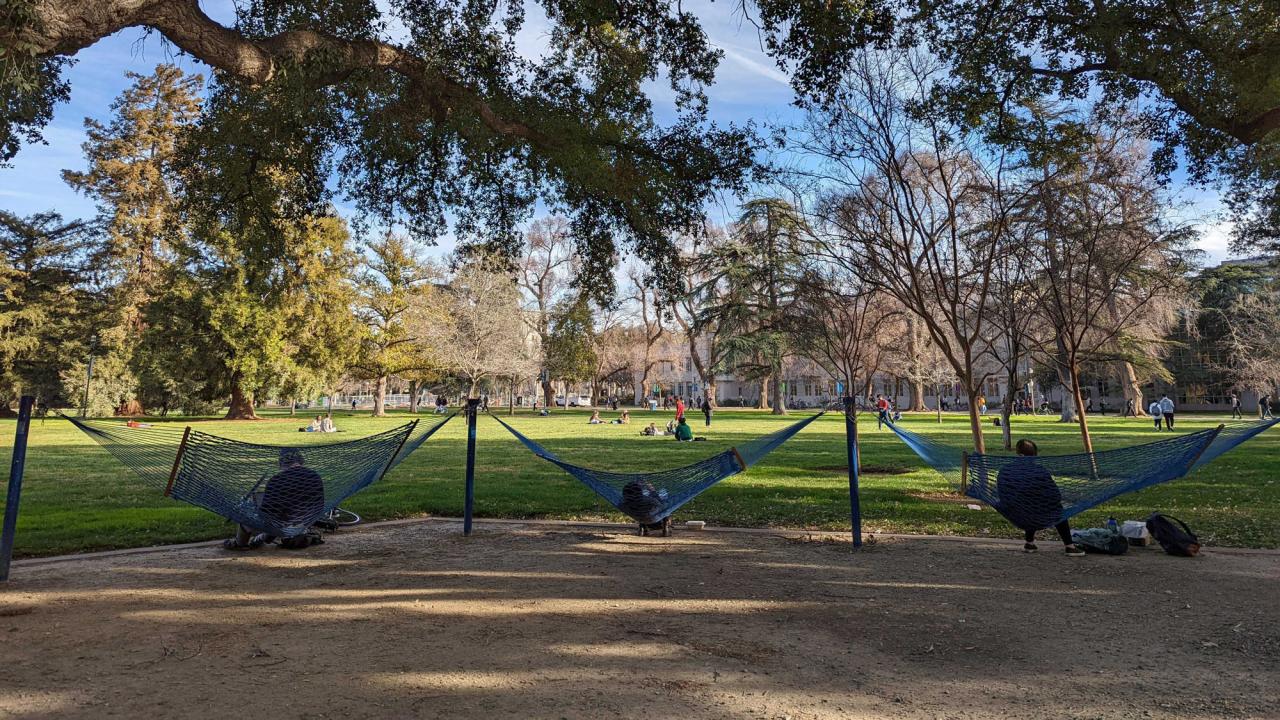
(1166, 409)
(326, 424)
(1154, 411)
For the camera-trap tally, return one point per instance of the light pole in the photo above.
(88, 376)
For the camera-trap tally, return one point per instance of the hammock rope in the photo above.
(1041, 491)
(651, 497)
(279, 490)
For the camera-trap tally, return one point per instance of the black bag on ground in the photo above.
(1101, 541)
(1173, 535)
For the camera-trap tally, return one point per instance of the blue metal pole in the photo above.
(16, 467)
(851, 442)
(473, 406)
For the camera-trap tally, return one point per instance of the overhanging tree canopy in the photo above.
(442, 122)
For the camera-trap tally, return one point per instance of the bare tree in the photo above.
(483, 336)
(843, 323)
(655, 346)
(546, 271)
(1104, 256)
(915, 210)
(701, 331)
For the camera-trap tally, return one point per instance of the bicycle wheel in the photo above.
(344, 518)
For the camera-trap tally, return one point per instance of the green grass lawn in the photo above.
(78, 498)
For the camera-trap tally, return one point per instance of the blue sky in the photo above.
(749, 87)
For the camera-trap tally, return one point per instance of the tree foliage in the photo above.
(428, 112)
(397, 306)
(46, 303)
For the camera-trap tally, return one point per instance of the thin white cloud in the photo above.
(763, 68)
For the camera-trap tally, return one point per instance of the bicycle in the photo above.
(337, 518)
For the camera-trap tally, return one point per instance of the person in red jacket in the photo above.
(679, 409)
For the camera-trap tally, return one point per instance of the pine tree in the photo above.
(42, 304)
(130, 170)
(131, 176)
(753, 279)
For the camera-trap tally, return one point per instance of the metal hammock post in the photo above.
(16, 466)
(851, 443)
(473, 406)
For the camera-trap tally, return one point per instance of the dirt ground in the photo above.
(415, 620)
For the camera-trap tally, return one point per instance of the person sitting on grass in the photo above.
(684, 433)
(652, 431)
(293, 496)
(326, 425)
(623, 419)
(1031, 500)
(595, 418)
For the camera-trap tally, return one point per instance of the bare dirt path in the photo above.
(417, 621)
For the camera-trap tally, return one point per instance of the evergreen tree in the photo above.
(569, 351)
(395, 305)
(752, 279)
(130, 171)
(246, 313)
(131, 176)
(43, 302)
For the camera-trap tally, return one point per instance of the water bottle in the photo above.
(1113, 526)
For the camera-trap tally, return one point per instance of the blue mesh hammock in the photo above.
(1039, 492)
(650, 498)
(279, 490)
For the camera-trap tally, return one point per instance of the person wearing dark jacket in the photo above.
(293, 496)
(706, 410)
(1031, 500)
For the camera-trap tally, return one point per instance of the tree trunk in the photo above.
(975, 423)
(937, 402)
(413, 396)
(293, 407)
(708, 380)
(241, 404)
(1132, 388)
(917, 403)
(1074, 371)
(548, 394)
(471, 393)
(1006, 412)
(763, 402)
(380, 397)
(779, 397)
(711, 391)
(1068, 387)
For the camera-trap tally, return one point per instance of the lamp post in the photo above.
(88, 375)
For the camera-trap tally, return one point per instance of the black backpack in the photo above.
(1175, 539)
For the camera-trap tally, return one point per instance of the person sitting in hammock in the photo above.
(1031, 500)
(293, 496)
(643, 502)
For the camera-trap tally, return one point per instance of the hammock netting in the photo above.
(651, 497)
(278, 490)
(1232, 435)
(1042, 491)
